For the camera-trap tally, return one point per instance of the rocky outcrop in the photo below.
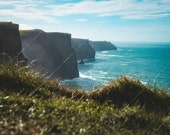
(52, 53)
(82, 48)
(10, 42)
(102, 45)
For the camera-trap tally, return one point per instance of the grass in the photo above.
(31, 104)
(5, 23)
(132, 92)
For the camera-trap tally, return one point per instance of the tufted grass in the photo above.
(124, 91)
(31, 104)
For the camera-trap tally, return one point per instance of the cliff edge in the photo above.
(83, 48)
(102, 45)
(10, 42)
(51, 52)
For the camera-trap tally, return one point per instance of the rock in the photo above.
(52, 53)
(82, 48)
(102, 45)
(81, 61)
(10, 42)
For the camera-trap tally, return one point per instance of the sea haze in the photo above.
(148, 62)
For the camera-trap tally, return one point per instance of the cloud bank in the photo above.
(49, 11)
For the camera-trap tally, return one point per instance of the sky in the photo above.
(110, 20)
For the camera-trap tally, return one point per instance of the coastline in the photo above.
(149, 64)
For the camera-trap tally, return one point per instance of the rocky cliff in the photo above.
(83, 49)
(10, 42)
(52, 53)
(102, 45)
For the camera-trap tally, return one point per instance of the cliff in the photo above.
(83, 48)
(102, 45)
(10, 42)
(52, 53)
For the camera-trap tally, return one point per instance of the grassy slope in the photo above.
(30, 104)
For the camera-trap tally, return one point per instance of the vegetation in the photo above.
(31, 104)
(5, 23)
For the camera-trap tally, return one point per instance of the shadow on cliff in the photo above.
(52, 51)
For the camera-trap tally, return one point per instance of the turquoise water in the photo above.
(150, 63)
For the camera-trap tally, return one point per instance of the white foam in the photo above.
(116, 56)
(107, 55)
(86, 76)
(143, 82)
(104, 51)
(102, 72)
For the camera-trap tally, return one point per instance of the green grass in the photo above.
(5, 23)
(132, 92)
(31, 104)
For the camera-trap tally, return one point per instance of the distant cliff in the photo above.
(102, 45)
(52, 53)
(83, 48)
(10, 42)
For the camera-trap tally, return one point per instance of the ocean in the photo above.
(148, 62)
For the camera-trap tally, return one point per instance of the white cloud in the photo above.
(82, 20)
(124, 8)
(25, 27)
(45, 11)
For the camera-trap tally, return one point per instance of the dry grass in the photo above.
(31, 104)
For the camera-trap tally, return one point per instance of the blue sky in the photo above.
(113, 20)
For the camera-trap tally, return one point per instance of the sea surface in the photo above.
(148, 62)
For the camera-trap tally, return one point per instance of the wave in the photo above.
(102, 72)
(104, 51)
(150, 66)
(86, 76)
(107, 55)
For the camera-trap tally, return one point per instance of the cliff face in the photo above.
(10, 42)
(82, 48)
(102, 45)
(52, 53)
